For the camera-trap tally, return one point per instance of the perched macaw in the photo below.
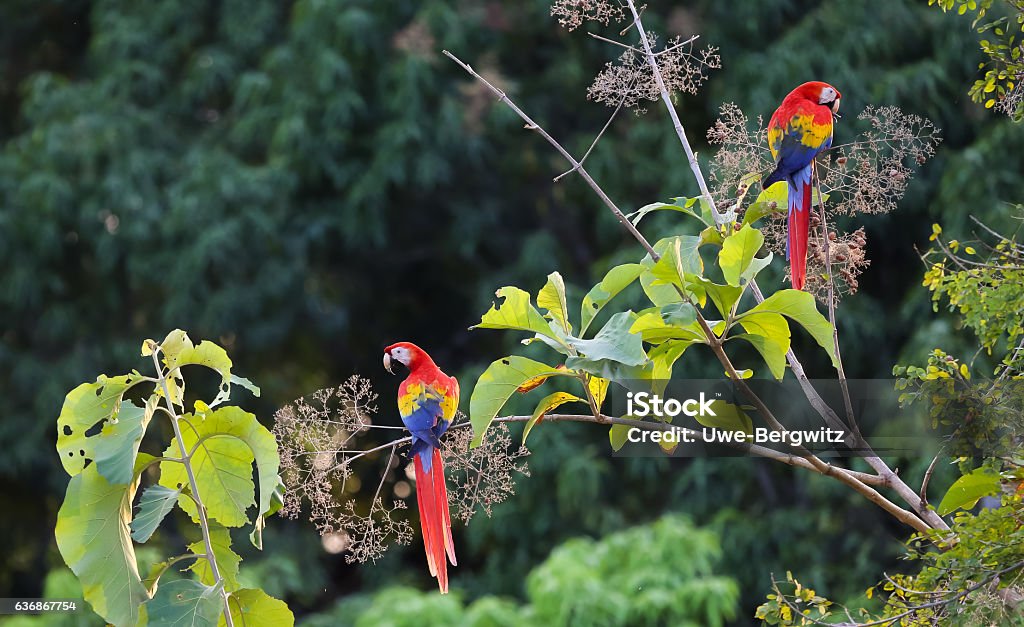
(427, 402)
(800, 129)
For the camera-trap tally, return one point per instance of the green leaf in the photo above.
(723, 296)
(968, 489)
(517, 313)
(231, 440)
(617, 279)
(93, 538)
(665, 356)
(227, 560)
(179, 351)
(683, 205)
(770, 335)
(738, 252)
(653, 328)
(545, 405)
(87, 408)
(156, 502)
(494, 387)
(185, 602)
(679, 257)
(255, 608)
(799, 306)
(552, 299)
(613, 342)
(118, 443)
(617, 436)
(679, 314)
(761, 209)
(598, 389)
(247, 384)
(728, 417)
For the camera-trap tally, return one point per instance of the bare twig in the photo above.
(676, 123)
(562, 151)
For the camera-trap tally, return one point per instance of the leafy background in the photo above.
(306, 182)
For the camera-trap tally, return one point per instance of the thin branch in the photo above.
(676, 123)
(194, 489)
(927, 478)
(598, 138)
(530, 124)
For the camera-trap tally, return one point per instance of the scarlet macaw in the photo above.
(427, 401)
(800, 129)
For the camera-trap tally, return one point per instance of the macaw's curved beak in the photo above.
(835, 108)
(387, 363)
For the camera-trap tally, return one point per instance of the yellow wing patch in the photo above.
(410, 397)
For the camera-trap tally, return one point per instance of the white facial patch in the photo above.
(827, 95)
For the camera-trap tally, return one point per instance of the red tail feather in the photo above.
(799, 226)
(435, 521)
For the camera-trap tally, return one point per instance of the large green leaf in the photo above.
(662, 280)
(552, 299)
(516, 312)
(737, 254)
(157, 501)
(968, 489)
(227, 560)
(185, 602)
(93, 538)
(255, 608)
(614, 342)
(617, 279)
(494, 387)
(770, 335)
(231, 440)
(546, 404)
(800, 307)
(88, 408)
(117, 445)
(618, 435)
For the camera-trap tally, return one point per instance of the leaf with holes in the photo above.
(86, 410)
(517, 313)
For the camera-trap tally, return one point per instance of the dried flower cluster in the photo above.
(483, 476)
(868, 175)
(321, 438)
(741, 157)
(572, 13)
(872, 173)
(1013, 100)
(630, 80)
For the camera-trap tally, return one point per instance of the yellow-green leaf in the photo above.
(546, 404)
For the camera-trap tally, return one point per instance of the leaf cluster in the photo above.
(205, 470)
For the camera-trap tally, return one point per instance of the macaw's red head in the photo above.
(820, 93)
(407, 354)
